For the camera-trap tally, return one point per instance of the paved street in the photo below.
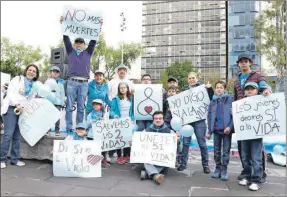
(36, 179)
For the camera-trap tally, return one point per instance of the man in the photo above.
(144, 124)
(245, 75)
(79, 64)
(170, 82)
(3, 95)
(150, 171)
(121, 76)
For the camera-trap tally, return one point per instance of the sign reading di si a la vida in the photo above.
(259, 116)
(115, 133)
(81, 23)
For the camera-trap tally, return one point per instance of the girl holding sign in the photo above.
(199, 130)
(123, 106)
(20, 89)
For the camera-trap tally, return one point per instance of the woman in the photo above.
(199, 130)
(20, 89)
(97, 89)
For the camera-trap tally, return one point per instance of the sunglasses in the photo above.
(55, 71)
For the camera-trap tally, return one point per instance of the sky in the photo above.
(37, 23)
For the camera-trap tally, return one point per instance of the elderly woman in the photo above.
(97, 89)
(20, 89)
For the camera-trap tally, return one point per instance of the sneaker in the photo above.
(144, 175)
(224, 175)
(206, 170)
(158, 178)
(19, 163)
(127, 159)
(243, 182)
(105, 163)
(3, 165)
(254, 187)
(57, 133)
(177, 164)
(121, 160)
(181, 168)
(2, 132)
(108, 158)
(216, 174)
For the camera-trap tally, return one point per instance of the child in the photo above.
(95, 115)
(252, 151)
(220, 124)
(80, 134)
(56, 86)
(123, 106)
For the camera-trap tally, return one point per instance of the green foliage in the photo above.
(269, 28)
(163, 79)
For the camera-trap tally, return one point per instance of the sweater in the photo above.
(162, 129)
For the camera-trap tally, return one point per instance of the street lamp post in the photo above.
(123, 28)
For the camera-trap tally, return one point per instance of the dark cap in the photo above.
(81, 40)
(172, 79)
(243, 56)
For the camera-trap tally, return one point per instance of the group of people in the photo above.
(95, 97)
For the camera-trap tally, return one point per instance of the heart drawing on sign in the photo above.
(148, 109)
(94, 159)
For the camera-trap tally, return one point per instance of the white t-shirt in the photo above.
(113, 86)
(125, 106)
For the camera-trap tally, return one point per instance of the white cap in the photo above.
(99, 101)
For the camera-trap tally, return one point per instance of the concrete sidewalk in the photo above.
(36, 179)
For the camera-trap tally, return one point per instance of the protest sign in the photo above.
(259, 116)
(77, 158)
(154, 148)
(115, 133)
(38, 116)
(190, 105)
(148, 99)
(5, 78)
(81, 23)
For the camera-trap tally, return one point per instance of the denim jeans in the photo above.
(251, 153)
(153, 169)
(143, 124)
(199, 131)
(221, 142)
(57, 125)
(76, 92)
(11, 135)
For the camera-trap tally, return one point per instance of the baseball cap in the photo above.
(99, 71)
(81, 125)
(244, 56)
(172, 79)
(99, 101)
(55, 68)
(252, 84)
(81, 40)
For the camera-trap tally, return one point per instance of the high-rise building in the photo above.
(184, 30)
(241, 15)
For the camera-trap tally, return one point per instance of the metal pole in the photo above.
(122, 53)
(123, 28)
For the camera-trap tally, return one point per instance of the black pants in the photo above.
(263, 158)
(127, 152)
(103, 153)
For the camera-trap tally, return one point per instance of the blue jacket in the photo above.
(57, 89)
(97, 92)
(226, 115)
(162, 129)
(115, 108)
(93, 116)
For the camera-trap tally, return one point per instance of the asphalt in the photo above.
(36, 179)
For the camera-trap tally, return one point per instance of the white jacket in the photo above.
(15, 94)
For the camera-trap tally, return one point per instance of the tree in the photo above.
(180, 71)
(15, 57)
(271, 36)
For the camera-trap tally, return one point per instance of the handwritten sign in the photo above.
(76, 158)
(190, 105)
(259, 116)
(148, 99)
(81, 23)
(154, 148)
(38, 117)
(115, 133)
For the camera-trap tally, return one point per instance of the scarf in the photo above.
(28, 86)
(193, 86)
(221, 96)
(59, 80)
(78, 51)
(96, 115)
(76, 137)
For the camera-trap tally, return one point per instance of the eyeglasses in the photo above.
(55, 71)
(146, 79)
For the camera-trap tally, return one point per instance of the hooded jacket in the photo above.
(116, 108)
(162, 129)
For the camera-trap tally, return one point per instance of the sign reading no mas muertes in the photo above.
(259, 116)
(81, 23)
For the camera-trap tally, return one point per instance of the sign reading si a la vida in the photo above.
(77, 158)
(38, 116)
(190, 105)
(259, 116)
(154, 148)
(115, 133)
(81, 23)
